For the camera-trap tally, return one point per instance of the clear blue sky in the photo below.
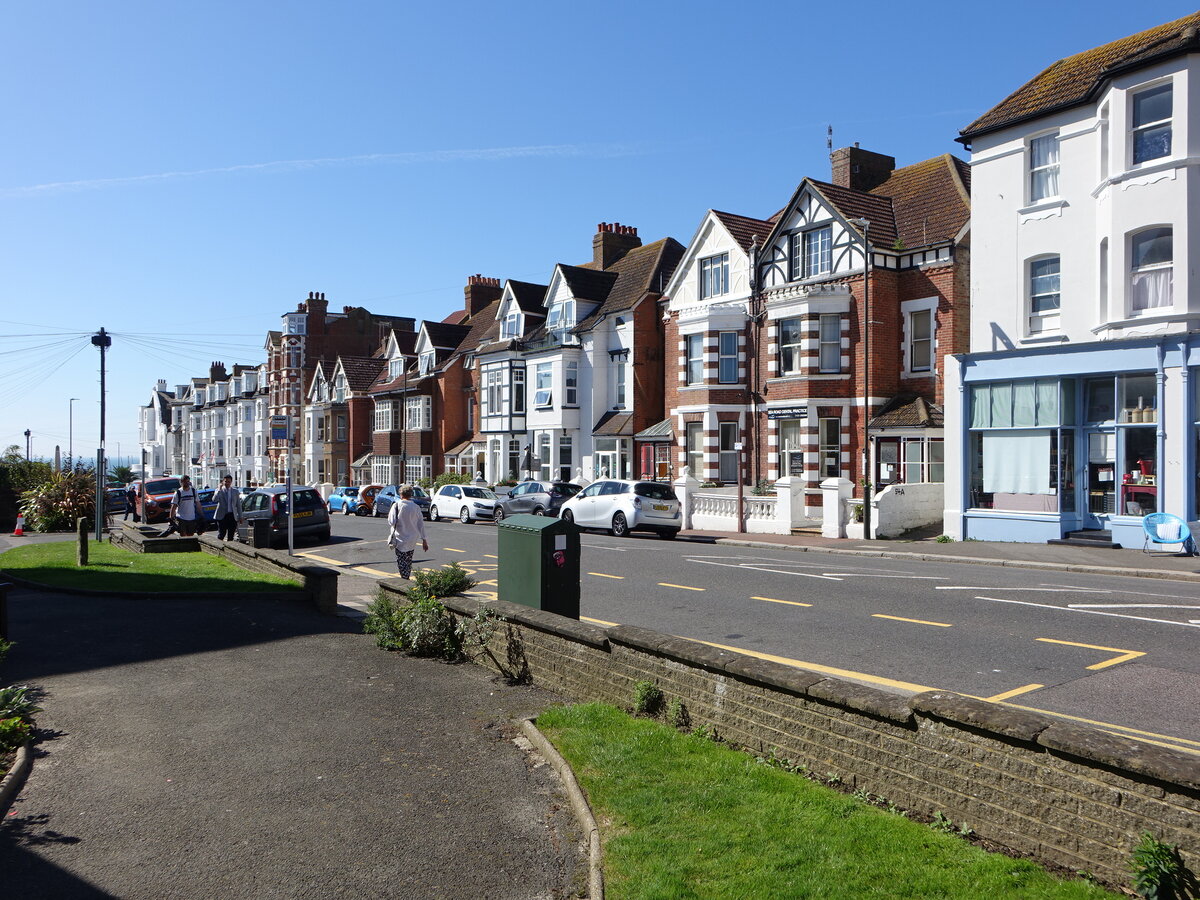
(188, 172)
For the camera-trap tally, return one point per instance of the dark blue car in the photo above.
(390, 494)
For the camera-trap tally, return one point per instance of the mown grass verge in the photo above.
(682, 816)
(111, 568)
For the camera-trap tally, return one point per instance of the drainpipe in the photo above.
(1160, 379)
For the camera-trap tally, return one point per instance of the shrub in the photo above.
(677, 714)
(1159, 872)
(444, 582)
(944, 539)
(16, 702)
(763, 488)
(5, 646)
(13, 733)
(647, 698)
(58, 502)
(452, 478)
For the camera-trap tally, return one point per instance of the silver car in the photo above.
(626, 506)
(467, 502)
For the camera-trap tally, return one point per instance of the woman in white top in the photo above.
(406, 528)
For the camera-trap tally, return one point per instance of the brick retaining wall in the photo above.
(319, 582)
(1064, 794)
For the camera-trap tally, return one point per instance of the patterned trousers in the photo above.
(404, 561)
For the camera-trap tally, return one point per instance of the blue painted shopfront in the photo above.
(1086, 437)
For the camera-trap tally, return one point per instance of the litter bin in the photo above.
(539, 563)
(260, 533)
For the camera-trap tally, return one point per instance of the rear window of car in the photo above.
(304, 500)
(652, 491)
(564, 490)
(349, 492)
(163, 486)
(478, 492)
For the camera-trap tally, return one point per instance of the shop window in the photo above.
(1015, 470)
(791, 453)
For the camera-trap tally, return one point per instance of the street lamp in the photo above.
(71, 429)
(865, 226)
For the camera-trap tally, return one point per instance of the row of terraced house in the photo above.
(1023, 374)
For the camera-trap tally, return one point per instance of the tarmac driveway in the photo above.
(252, 748)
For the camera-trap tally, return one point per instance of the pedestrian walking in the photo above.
(229, 510)
(185, 508)
(406, 529)
(131, 504)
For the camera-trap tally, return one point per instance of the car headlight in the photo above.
(481, 506)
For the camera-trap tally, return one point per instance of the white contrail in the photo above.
(484, 154)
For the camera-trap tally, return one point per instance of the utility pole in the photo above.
(28, 445)
(103, 340)
(71, 431)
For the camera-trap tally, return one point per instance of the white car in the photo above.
(625, 506)
(467, 502)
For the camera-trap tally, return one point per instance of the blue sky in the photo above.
(186, 173)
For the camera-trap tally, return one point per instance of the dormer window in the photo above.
(1043, 167)
(395, 368)
(295, 323)
(425, 363)
(714, 276)
(339, 388)
(510, 326)
(1151, 124)
(561, 319)
(812, 253)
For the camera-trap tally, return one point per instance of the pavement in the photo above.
(254, 748)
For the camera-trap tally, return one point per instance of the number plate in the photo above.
(302, 515)
(661, 506)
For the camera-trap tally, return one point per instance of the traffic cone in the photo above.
(20, 532)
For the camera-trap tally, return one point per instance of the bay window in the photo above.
(1151, 270)
(727, 356)
(1151, 124)
(830, 353)
(789, 347)
(695, 359)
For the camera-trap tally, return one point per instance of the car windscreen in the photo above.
(350, 492)
(652, 491)
(564, 490)
(163, 486)
(481, 493)
(304, 500)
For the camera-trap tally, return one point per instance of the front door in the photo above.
(1100, 497)
(887, 462)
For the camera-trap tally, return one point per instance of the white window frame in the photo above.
(384, 414)
(792, 350)
(566, 456)
(619, 385)
(518, 391)
(727, 357)
(714, 276)
(1136, 129)
(1048, 320)
(543, 396)
(1042, 175)
(416, 468)
(812, 252)
(829, 447)
(829, 343)
(727, 454)
(510, 325)
(907, 309)
(694, 448)
(493, 386)
(1162, 271)
(426, 361)
(395, 368)
(418, 413)
(693, 360)
(571, 383)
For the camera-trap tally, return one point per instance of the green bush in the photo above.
(424, 627)
(452, 478)
(677, 714)
(5, 646)
(647, 698)
(15, 702)
(1159, 872)
(13, 733)
(56, 504)
(444, 582)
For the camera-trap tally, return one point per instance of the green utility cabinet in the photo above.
(539, 563)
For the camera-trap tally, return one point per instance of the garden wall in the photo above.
(319, 582)
(1064, 794)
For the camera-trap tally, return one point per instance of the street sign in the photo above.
(279, 428)
(788, 412)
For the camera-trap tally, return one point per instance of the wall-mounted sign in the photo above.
(788, 412)
(279, 428)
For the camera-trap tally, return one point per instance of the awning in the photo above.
(459, 449)
(614, 424)
(364, 460)
(661, 432)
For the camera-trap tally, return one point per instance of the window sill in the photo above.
(1170, 316)
(1044, 338)
(1042, 209)
(816, 376)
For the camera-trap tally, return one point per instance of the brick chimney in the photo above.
(216, 372)
(860, 170)
(612, 241)
(317, 307)
(480, 291)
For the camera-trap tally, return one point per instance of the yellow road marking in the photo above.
(324, 559)
(1014, 692)
(602, 575)
(1176, 742)
(1125, 656)
(914, 621)
(788, 602)
(371, 571)
(682, 587)
(491, 556)
(491, 581)
(452, 550)
(597, 621)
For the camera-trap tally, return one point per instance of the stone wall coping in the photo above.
(1165, 764)
(982, 715)
(864, 699)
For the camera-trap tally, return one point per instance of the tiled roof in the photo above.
(660, 431)
(908, 411)
(445, 335)
(852, 204)
(530, 297)
(614, 424)
(588, 284)
(406, 341)
(1072, 81)
(362, 371)
(743, 229)
(642, 270)
(456, 317)
(484, 327)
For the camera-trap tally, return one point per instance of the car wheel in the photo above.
(325, 535)
(362, 511)
(498, 515)
(669, 534)
(567, 517)
(433, 514)
(538, 511)
(620, 527)
(345, 509)
(464, 516)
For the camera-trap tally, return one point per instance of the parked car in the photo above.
(310, 518)
(365, 505)
(155, 506)
(114, 500)
(466, 501)
(343, 500)
(208, 502)
(536, 498)
(625, 506)
(390, 494)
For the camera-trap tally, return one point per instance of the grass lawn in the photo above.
(683, 817)
(110, 568)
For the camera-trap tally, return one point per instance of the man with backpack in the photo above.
(185, 508)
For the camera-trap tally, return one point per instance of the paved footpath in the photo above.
(251, 748)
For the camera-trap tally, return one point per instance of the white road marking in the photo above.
(1036, 590)
(1128, 606)
(873, 575)
(873, 570)
(1094, 612)
(747, 566)
(599, 547)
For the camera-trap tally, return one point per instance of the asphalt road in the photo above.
(251, 748)
(1118, 652)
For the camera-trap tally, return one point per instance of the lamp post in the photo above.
(71, 429)
(865, 225)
